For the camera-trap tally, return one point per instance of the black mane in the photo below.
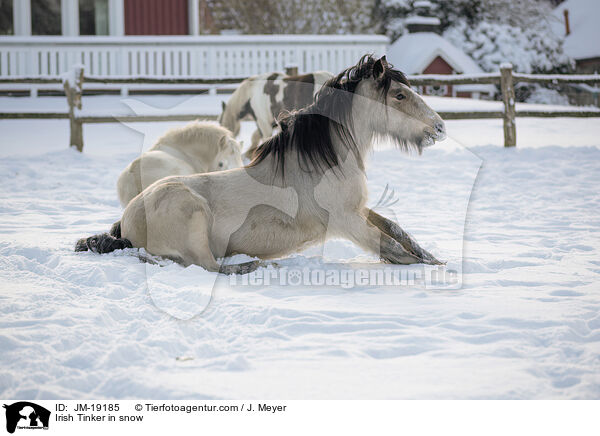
(308, 130)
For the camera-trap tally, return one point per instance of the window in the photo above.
(156, 17)
(93, 17)
(6, 17)
(45, 17)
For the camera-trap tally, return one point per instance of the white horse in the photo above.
(199, 147)
(306, 184)
(264, 97)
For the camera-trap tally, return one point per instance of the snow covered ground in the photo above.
(523, 322)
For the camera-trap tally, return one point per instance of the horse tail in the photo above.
(104, 242)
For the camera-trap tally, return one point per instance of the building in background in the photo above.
(166, 38)
(423, 51)
(578, 21)
(104, 17)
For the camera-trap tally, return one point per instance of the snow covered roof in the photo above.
(417, 19)
(413, 52)
(584, 16)
(422, 4)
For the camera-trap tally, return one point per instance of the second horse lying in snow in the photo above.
(305, 184)
(199, 147)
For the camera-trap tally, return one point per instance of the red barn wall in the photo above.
(440, 66)
(156, 17)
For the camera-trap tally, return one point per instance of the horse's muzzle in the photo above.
(440, 131)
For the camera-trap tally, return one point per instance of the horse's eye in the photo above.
(400, 96)
(220, 164)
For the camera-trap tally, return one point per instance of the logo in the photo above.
(26, 415)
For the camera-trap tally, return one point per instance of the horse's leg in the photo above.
(395, 231)
(241, 268)
(366, 234)
(359, 230)
(256, 137)
(197, 240)
(200, 254)
(199, 251)
(263, 132)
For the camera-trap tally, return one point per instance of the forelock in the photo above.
(348, 79)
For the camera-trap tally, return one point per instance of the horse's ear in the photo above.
(379, 68)
(222, 142)
(223, 106)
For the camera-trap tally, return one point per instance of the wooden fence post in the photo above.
(73, 85)
(508, 97)
(291, 70)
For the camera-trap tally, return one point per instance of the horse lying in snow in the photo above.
(305, 184)
(264, 97)
(199, 147)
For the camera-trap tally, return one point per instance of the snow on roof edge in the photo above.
(413, 52)
(418, 19)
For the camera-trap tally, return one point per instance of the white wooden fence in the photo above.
(183, 56)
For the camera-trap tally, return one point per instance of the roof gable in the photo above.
(438, 66)
(413, 52)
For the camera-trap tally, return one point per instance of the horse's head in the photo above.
(394, 110)
(229, 155)
(229, 120)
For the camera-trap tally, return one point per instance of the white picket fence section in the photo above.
(183, 56)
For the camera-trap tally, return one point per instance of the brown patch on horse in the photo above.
(247, 110)
(298, 94)
(271, 89)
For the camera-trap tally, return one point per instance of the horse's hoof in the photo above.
(434, 261)
(240, 268)
(103, 243)
(81, 245)
(266, 264)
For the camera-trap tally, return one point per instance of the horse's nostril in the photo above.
(439, 127)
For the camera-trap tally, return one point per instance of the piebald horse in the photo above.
(264, 97)
(198, 147)
(305, 184)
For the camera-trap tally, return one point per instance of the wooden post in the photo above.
(291, 70)
(508, 97)
(73, 85)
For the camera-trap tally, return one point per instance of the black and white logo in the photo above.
(26, 415)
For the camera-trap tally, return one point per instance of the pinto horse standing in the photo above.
(264, 97)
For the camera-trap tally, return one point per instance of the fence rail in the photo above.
(506, 78)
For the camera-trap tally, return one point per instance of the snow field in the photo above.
(525, 322)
